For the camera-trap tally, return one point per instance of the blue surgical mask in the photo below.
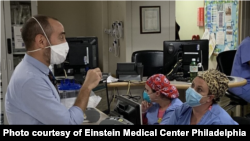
(146, 97)
(193, 98)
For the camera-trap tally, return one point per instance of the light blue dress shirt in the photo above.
(152, 113)
(241, 68)
(31, 98)
(214, 116)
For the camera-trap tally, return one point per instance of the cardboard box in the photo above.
(18, 41)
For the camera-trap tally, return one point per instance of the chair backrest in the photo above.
(242, 120)
(225, 61)
(152, 61)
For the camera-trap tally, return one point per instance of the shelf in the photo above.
(20, 2)
(18, 53)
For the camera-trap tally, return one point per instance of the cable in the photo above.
(114, 96)
(201, 62)
(129, 94)
(128, 87)
(116, 33)
(118, 30)
(117, 91)
(134, 98)
(177, 56)
(174, 67)
(116, 48)
(113, 30)
(107, 95)
(65, 74)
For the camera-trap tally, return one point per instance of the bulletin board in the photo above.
(221, 18)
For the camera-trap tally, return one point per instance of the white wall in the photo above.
(129, 13)
(152, 41)
(71, 14)
(91, 18)
(116, 12)
(96, 21)
(81, 18)
(186, 17)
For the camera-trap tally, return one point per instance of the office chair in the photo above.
(242, 120)
(152, 61)
(225, 61)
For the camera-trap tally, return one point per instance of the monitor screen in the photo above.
(77, 55)
(129, 109)
(83, 52)
(185, 50)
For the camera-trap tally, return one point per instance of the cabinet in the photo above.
(14, 14)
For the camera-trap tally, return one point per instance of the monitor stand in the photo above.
(79, 78)
(186, 71)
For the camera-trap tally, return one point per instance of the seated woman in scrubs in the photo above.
(160, 100)
(200, 107)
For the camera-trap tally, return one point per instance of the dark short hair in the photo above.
(161, 95)
(31, 28)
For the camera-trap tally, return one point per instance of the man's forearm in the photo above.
(83, 98)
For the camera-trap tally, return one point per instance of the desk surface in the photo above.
(103, 116)
(179, 84)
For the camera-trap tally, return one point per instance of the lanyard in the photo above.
(159, 120)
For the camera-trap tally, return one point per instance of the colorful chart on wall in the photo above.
(221, 18)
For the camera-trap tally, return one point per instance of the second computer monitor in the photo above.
(185, 50)
(83, 53)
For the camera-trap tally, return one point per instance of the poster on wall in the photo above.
(221, 19)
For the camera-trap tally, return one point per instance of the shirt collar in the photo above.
(39, 65)
(174, 103)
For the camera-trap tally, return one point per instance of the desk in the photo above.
(238, 81)
(103, 116)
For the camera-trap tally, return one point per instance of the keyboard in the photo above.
(230, 78)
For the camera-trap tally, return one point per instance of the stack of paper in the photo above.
(212, 41)
(111, 79)
(93, 101)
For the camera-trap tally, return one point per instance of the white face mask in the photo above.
(58, 53)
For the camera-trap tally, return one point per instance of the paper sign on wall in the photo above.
(220, 38)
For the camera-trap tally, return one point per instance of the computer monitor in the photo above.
(129, 109)
(83, 53)
(185, 50)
